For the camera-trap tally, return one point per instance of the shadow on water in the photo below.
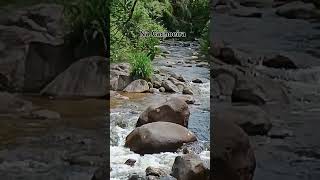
(75, 113)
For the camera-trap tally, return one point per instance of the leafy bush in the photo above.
(141, 67)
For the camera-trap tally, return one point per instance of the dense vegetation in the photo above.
(88, 17)
(130, 17)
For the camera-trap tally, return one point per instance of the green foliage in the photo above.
(204, 41)
(141, 67)
(131, 17)
(128, 19)
(189, 16)
(87, 16)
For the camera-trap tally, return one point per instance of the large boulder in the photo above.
(174, 110)
(158, 137)
(233, 157)
(252, 119)
(190, 167)
(86, 77)
(137, 86)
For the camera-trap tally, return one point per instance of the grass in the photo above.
(141, 67)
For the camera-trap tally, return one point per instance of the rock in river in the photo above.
(174, 110)
(190, 167)
(86, 77)
(169, 86)
(252, 119)
(137, 86)
(158, 137)
(232, 153)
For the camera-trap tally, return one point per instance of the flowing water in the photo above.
(125, 113)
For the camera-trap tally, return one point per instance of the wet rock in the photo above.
(119, 68)
(279, 133)
(252, 119)
(169, 86)
(119, 82)
(226, 54)
(150, 85)
(136, 177)
(197, 80)
(174, 81)
(130, 162)
(226, 83)
(190, 167)
(181, 78)
(154, 90)
(162, 89)
(10, 103)
(156, 84)
(149, 138)
(174, 110)
(259, 91)
(187, 90)
(86, 77)
(194, 148)
(120, 76)
(151, 171)
(187, 98)
(281, 62)
(180, 87)
(298, 10)
(254, 96)
(45, 114)
(137, 86)
(232, 153)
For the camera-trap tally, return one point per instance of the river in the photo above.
(182, 60)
